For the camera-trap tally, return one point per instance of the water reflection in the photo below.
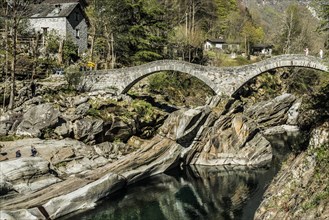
(195, 192)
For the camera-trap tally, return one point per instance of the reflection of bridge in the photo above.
(224, 80)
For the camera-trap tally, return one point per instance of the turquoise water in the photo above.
(191, 193)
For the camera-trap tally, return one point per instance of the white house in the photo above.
(220, 44)
(66, 18)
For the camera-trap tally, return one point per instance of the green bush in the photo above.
(93, 112)
(73, 77)
(144, 110)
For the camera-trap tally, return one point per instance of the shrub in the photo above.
(73, 77)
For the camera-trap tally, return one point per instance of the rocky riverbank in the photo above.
(88, 145)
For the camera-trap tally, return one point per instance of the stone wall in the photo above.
(73, 24)
(226, 80)
(65, 27)
(57, 24)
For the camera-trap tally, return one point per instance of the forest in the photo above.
(132, 32)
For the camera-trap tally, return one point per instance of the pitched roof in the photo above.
(52, 10)
(220, 40)
(82, 2)
(262, 46)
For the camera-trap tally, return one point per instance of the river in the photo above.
(191, 193)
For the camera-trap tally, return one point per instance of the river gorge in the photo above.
(225, 148)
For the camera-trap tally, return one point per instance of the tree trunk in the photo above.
(108, 41)
(13, 68)
(6, 67)
(92, 44)
(35, 54)
(112, 51)
(60, 51)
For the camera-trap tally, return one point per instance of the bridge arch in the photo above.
(277, 62)
(151, 68)
(226, 80)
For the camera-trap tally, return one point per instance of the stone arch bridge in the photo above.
(225, 80)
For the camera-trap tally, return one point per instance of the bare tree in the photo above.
(16, 11)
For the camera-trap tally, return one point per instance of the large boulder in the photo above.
(120, 129)
(183, 125)
(36, 119)
(87, 128)
(235, 138)
(26, 174)
(9, 121)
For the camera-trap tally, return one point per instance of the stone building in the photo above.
(220, 44)
(65, 17)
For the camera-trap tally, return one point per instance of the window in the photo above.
(77, 16)
(77, 33)
(44, 34)
(45, 30)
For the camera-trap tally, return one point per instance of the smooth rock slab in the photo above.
(36, 119)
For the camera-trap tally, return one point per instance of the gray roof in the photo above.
(52, 10)
(83, 3)
(220, 40)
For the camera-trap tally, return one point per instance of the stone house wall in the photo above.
(77, 29)
(73, 27)
(55, 23)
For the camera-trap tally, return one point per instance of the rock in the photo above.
(235, 139)
(80, 100)
(297, 192)
(320, 135)
(293, 113)
(62, 155)
(5, 187)
(182, 125)
(283, 136)
(37, 118)
(108, 149)
(272, 112)
(27, 173)
(87, 128)
(82, 109)
(4, 128)
(14, 215)
(84, 197)
(8, 121)
(64, 130)
(120, 130)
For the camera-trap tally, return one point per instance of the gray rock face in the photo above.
(183, 125)
(87, 128)
(273, 112)
(120, 129)
(64, 130)
(26, 174)
(297, 191)
(197, 136)
(5, 187)
(235, 138)
(82, 109)
(36, 119)
(293, 113)
(9, 122)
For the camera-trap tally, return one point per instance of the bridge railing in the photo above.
(157, 63)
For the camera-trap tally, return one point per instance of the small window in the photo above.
(77, 16)
(45, 30)
(77, 33)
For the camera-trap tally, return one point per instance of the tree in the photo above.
(298, 31)
(251, 35)
(15, 12)
(322, 7)
(224, 9)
